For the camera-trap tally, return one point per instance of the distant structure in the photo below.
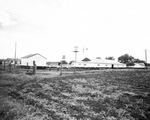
(86, 59)
(40, 60)
(56, 64)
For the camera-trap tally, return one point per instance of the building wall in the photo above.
(119, 65)
(97, 65)
(39, 60)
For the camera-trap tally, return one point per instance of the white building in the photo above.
(98, 63)
(138, 65)
(39, 60)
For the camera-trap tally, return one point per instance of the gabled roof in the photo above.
(64, 62)
(12, 59)
(31, 55)
(86, 59)
(139, 64)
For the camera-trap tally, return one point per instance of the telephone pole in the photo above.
(15, 54)
(146, 57)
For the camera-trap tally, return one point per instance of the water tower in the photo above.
(75, 51)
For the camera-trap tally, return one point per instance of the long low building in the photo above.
(98, 63)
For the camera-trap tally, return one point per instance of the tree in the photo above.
(110, 58)
(126, 59)
(138, 61)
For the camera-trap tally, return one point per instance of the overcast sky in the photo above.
(53, 27)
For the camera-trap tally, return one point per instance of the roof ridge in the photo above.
(30, 55)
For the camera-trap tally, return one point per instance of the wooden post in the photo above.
(4, 65)
(74, 70)
(34, 67)
(49, 68)
(10, 67)
(112, 66)
(61, 68)
(27, 67)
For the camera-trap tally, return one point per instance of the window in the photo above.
(84, 64)
(98, 64)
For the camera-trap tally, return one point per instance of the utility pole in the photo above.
(146, 57)
(15, 54)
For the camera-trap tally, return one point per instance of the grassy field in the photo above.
(93, 95)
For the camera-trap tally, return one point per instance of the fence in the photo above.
(12, 68)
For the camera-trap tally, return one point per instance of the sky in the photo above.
(54, 27)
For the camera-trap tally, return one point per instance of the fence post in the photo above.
(61, 68)
(4, 65)
(27, 67)
(74, 69)
(10, 67)
(49, 68)
(34, 67)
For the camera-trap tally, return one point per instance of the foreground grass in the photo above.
(104, 95)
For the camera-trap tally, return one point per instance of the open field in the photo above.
(92, 95)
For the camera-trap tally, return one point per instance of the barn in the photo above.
(38, 58)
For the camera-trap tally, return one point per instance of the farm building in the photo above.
(40, 60)
(98, 63)
(53, 64)
(13, 61)
(10, 60)
(64, 64)
(138, 65)
(2, 61)
(57, 64)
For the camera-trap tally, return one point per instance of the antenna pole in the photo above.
(15, 53)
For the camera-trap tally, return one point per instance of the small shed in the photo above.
(55, 64)
(2, 61)
(64, 64)
(38, 58)
(138, 65)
